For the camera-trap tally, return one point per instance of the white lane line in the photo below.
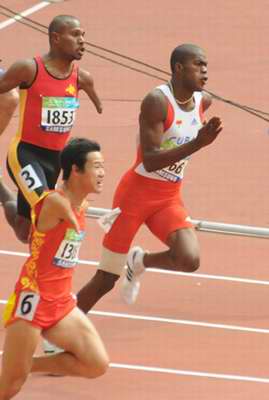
(213, 277)
(25, 13)
(162, 271)
(190, 373)
(180, 322)
(174, 321)
(198, 374)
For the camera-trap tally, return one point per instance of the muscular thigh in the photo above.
(76, 334)
(184, 244)
(171, 216)
(122, 232)
(135, 203)
(20, 343)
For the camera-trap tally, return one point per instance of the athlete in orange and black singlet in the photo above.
(49, 87)
(47, 113)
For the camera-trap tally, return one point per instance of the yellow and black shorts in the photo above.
(33, 169)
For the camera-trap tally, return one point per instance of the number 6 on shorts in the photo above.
(27, 304)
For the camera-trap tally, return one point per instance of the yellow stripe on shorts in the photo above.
(8, 310)
(13, 161)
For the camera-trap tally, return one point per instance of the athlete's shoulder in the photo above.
(84, 77)
(154, 103)
(55, 197)
(206, 100)
(155, 98)
(55, 204)
(44, 198)
(23, 70)
(25, 64)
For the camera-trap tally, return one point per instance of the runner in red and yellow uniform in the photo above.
(43, 303)
(43, 291)
(49, 87)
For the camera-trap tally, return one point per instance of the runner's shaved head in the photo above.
(182, 53)
(60, 22)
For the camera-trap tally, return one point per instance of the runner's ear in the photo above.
(178, 67)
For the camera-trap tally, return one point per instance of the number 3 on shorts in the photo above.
(30, 178)
(27, 304)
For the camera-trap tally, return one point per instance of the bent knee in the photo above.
(98, 369)
(101, 368)
(22, 235)
(187, 262)
(22, 229)
(192, 265)
(10, 210)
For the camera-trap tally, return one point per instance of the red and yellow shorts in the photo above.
(155, 203)
(32, 307)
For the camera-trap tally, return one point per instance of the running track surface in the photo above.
(227, 182)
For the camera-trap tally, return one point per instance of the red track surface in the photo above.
(227, 182)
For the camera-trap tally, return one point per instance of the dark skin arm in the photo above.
(151, 119)
(20, 74)
(86, 83)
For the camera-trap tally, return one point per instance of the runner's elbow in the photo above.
(151, 160)
(10, 101)
(149, 165)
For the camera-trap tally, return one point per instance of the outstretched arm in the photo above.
(8, 104)
(20, 74)
(86, 83)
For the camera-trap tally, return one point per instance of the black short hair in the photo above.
(75, 153)
(183, 53)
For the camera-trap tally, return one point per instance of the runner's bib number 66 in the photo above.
(173, 172)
